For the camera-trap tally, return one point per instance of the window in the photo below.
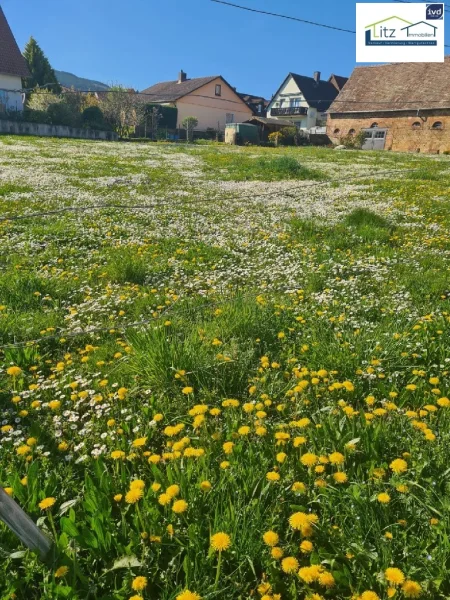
(260, 108)
(218, 90)
(379, 134)
(229, 118)
(374, 125)
(336, 131)
(295, 102)
(416, 125)
(351, 132)
(437, 125)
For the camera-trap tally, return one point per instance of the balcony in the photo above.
(289, 111)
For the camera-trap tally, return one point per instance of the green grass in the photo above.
(310, 321)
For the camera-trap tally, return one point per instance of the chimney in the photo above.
(181, 76)
(317, 76)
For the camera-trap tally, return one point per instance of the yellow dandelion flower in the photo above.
(133, 496)
(205, 486)
(310, 574)
(47, 503)
(118, 497)
(306, 547)
(272, 476)
(180, 506)
(394, 576)
(139, 442)
(173, 491)
(340, 477)
(326, 579)
(188, 595)
(139, 583)
(336, 458)
(187, 390)
(220, 541)
(309, 459)
(137, 484)
(369, 595)
(271, 538)
(277, 553)
(289, 564)
(117, 454)
(398, 466)
(228, 447)
(14, 371)
(298, 487)
(411, 589)
(164, 499)
(61, 571)
(383, 498)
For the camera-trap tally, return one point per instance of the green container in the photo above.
(241, 133)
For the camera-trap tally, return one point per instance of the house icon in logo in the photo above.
(390, 24)
(420, 29)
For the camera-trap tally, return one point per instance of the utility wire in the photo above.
(263, 12)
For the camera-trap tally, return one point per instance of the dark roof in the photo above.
(396, 86)
(271, 121)
(254, 102)
(11, 60)
(169, 91)
(318, 94)
(338, 81)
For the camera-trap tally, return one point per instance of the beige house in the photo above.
(399, 106)
(12, 69)
(210, 99)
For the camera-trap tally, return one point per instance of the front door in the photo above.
(375, 138)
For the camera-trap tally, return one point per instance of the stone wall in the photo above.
(407, 132)
(41, 129)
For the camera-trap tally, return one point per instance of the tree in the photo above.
(152, 118)
(41, 71)
(120, 107)
(42, 100)
(189, 123)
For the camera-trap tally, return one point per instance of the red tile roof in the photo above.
(170, 91)
(11, 60)
(396, 86)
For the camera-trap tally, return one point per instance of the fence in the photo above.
(42, 129)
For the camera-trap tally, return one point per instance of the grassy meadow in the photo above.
(224, 371)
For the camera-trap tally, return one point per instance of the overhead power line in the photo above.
(271, 14)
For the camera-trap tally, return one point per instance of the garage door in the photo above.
(375, 138)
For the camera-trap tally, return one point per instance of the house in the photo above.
(305, 100)
(211, 100)
(12, 69)
(399, 106)
(257, 104)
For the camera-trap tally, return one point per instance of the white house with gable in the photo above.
(12, 69)
(305, 100)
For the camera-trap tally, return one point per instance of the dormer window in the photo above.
(218, 90)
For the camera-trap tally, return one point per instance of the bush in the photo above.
(35, 116)
(169, 115)
(353, 141)
(60, 114)
(92, 118)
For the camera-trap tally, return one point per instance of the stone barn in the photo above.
(399, 106)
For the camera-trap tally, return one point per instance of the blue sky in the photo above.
(140, 42)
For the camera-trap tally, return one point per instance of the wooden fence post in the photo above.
(25, 529)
